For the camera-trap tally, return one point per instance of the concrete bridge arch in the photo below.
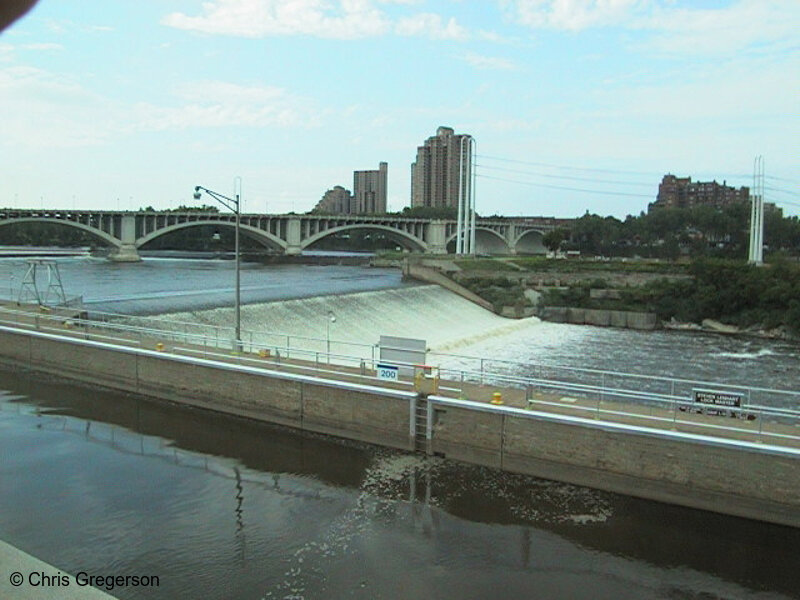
(530, 242)
(98, 233)
(487, 241)
(401, 237)
(126, 232)
(264, 237)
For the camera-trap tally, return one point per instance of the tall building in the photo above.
(369, 190)
(682, 192)
(337, 201)
(438, 175)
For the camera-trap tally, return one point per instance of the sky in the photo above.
(576, 105)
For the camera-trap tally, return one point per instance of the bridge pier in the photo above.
(293, 237)
(511, 238)
(437, 237)
(127, 251)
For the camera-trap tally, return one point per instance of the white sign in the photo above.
(406, 351)
(388, 372)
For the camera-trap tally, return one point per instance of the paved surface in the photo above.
(16, 565)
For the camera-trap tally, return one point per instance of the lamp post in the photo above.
(231, 204)
(331, 319)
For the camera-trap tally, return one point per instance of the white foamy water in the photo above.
(746, 355)
(446, 321)
(464, 336)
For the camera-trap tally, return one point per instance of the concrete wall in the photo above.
(676, 468)
(746, 479)
(365, 413)
(429, 275)
(600, 317)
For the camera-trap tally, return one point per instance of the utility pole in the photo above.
(465, 223)
(756, 252)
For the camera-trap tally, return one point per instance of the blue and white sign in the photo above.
(388, 372)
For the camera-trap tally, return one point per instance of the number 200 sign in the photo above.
(388, 372)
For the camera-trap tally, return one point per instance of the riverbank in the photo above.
(713, 296)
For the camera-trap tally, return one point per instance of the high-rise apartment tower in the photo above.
(369, 190)
(441, 170)
(336, 201)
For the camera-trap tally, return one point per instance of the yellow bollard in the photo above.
(497, 398)
(160, 347)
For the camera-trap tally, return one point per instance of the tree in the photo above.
(552, 240)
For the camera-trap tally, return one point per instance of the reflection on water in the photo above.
(221, 507)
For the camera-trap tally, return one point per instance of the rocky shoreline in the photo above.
(713, 326)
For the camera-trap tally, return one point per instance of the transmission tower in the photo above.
(29, 290)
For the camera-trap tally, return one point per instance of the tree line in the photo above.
(702, 231)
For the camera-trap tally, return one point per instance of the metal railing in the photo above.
(607, 395)
(490, 369)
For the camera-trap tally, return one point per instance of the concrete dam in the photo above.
(445, 320)
(631, 441)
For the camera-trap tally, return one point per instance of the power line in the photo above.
(746, 176)
(551, 176)
(772, 189)
(565, 168)
(779, 202)
(782, 179)
(569, 189)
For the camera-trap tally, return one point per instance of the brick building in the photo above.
(682, 192)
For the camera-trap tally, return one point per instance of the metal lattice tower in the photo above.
(756, 252)
(30, 291)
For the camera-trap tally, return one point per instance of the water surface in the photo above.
(220, 507)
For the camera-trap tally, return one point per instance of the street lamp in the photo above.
(231, 204)
(331, 319)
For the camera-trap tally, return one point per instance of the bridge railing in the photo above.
(577, 395)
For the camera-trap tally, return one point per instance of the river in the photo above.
(220, 507)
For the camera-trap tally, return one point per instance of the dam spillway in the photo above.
(428, 312)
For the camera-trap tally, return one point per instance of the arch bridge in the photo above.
(126, 232)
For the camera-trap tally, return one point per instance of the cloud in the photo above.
(42, 46)
(223, 104)
(55, 112)
(746, 24)
(62, 26)
(430, 25)
(488, 62)
(49, 111)
(575, 15)
(6, 53)
(741, 24)
(263, 18)
(343, 19)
